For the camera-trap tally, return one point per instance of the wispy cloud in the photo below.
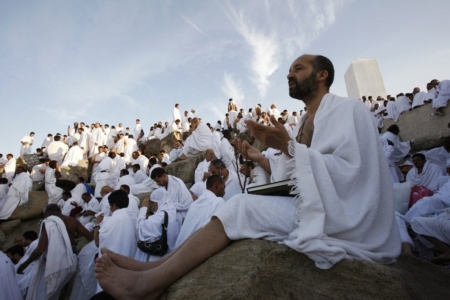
(233, 89)
(192, 24)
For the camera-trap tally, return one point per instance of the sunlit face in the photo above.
(302, 78)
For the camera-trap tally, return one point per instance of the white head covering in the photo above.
(161, 197)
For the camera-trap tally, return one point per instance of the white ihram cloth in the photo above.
(104, 207)
(117, 233)
(56, 151)
(331, 181)
(227, 154)
(9, 169)
(9, 288)
(402, 104)
(24, 279)
(46, 142)
(151, 227)
(92, 205)
(392, 112)
(401, 149)
(83, 142)
(96, 139)
(139, 176)
(176, 114)
(147, 186)
(419, 99)
(56, 265)
(200, 140)
(435, 226)
(4, 188)
(85, 284)
(54, 192)
(105, 175)
(17, 195)
(67, 208)
(142, 161)
(126, 179)
(129, 149)
(74, 154)
(396, 174)
(442, 94)
(137, 131)
(202, 167)
(216, 140)
(438, 156)
(199, 214)
(432, 204)
(232, 186)
(431, 94)
(26, 149)
(180, 197)
(133, 208)
(120, 145)
(35, 174)
(79, 190)
(429, 176)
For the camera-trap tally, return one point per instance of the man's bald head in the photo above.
(105, 190)
(210, 155)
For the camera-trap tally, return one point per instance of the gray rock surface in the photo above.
(258, 269)
(37, 200)
(28, 161)
(153, 146)
(184, 169)
(72, 173)
(427, 131)
(168, 142)
(2, 237)
(8, 226)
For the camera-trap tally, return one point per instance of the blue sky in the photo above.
(115, 61)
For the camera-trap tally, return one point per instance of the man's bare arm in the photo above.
(84, 232)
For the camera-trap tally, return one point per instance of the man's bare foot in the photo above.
(443, 258)
(124, 284)
(127, 262)
(407, 249)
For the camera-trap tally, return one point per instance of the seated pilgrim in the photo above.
(200, 139)
(424, 173)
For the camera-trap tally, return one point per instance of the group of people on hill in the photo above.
(333, 213)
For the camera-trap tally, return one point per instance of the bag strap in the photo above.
(166, 218)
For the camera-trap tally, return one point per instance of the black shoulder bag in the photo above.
(159, 246)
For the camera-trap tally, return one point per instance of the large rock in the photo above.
(427, 131)
(153, 147)
(72, 173)
(168, 142)
(28, 161)
(258, 269)
(8, 226)
(185, 169)
(33, 208)
(2, 237)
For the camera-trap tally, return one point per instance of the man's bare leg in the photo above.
(132, 264)
(407, 249)
(444, 257)
(150, 284)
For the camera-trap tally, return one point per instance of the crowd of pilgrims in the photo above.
(109, 214)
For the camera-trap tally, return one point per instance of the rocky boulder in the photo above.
(28, 161)
(168, 143)
(8, 226)
(153, 147)
(2, 237)
(258, 269)
(185, 169)
(72, 173)
(33, 208)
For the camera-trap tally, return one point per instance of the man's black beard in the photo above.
(304, 89)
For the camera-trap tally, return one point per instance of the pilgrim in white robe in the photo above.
(174, 153)
(79, 190)
(92, 205)
(419, 99)
(74, 155)
(4, 188)
(227, 154)
(396, 174)
(199, 214)
(200, 140)
(56, 266)
(330, 180)
(104, 176)
(392, 112)
(402, 104)
(56, 151)
(9, 288)
(96, 139)
(137, 131)
(139, 176)
(202, 168)
(10, 168)
(216, 140)
(129, 149)
(67, 207)
(54, 192)
(431, 94)
(434, 226)
(27, 141)
(95, 169)
(146, 186)
(433, 204)
(429, 176)
(36, 175)
(438, 156)
(232, 186)
(104, 207)
(117, 233)
(85, 283)
(17, 195)
(142, 161)
(180, 196)
(150, 228)
(176, 114)
(442, 94)
(401, 149)
(24, 280)
(83, 142)
(126, 179)
(120, 145)
(46, 142)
